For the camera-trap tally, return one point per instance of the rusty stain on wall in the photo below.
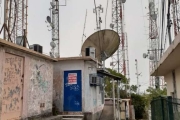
(40, 86)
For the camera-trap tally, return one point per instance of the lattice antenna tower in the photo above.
(176, 15)
(15, 18)
(53, 21)
(154, 51)
(120, 61)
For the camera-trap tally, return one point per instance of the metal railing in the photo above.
(165, 108)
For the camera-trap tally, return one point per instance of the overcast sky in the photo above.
(72, 19)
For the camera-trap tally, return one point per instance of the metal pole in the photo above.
(114, 102)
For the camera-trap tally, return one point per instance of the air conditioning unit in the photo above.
(37, 48)
(91, 51)
(20, 40)
(95, 80)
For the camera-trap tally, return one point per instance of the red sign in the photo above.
(72, 78)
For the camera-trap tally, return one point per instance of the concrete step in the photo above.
(72, 117)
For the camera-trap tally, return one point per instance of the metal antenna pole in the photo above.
(137, 75)
(98, 9)
(53, 21)
(83, 30)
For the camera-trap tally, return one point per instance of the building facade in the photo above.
(26, 82)
(73, 93)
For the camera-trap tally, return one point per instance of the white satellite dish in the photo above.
(151, 57)
(53, 45)
(48, 18)
(154, 16)
(105, 42)
(144, 55)
(56, 55)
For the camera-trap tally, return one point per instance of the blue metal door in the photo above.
(72, 91)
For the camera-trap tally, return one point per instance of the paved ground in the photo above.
(107, 113)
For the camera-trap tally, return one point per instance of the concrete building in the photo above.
(73, 93)
(169, 67)
(26, 82)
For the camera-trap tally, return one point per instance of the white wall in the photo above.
(169, 81)
(93, 96)
(90, 95)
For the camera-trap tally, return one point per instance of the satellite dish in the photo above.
(106, 42)
(48, 18)
(154, 16)
(56, 55)
(151, 57)
(53, 45)
(144, 55)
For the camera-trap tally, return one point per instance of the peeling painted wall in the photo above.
(91, 97)
(37, 83)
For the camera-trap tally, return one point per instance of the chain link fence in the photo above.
(165, 108)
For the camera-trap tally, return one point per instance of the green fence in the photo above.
(165, 108)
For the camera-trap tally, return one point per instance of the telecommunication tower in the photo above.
(53, 21)
(15, 18)
(154, 42)
(176, 15)
(120, 61)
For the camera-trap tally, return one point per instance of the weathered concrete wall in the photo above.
(1, 76)
(37, 83)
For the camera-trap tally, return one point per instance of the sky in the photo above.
(72, 19)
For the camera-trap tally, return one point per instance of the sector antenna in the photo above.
(103, 44)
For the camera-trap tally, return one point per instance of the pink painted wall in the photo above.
(38, 83)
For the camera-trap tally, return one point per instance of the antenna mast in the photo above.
(137, 75)
(15, 18)
(53, 21)
(98, 10)
(84, 30)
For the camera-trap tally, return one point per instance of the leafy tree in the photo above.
(153, 93)
(139, 105)
(134, 88)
